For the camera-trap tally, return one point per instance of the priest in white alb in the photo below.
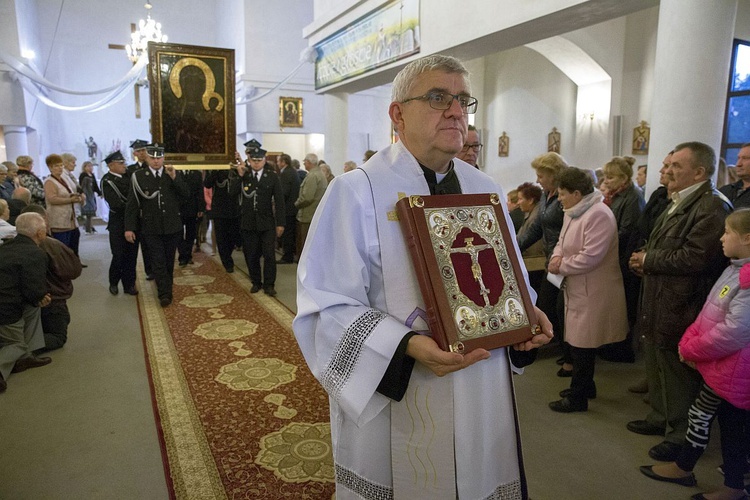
(408, 420)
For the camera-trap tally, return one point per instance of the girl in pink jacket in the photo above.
(717, 344)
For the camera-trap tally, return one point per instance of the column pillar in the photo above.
(16, 143)
(693, 53)
(336, 130)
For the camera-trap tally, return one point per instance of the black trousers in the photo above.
(124, 256)
(55, 321)
(254, 245)
(227, 238)
(289, 239)
(161, 249)
(140, 242)
(735, 426)
(187, 238)
(582, 382)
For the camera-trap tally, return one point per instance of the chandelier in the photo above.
(148, 31)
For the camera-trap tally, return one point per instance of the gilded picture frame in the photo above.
(290, 112)
(192, 103)
(641, 138)
(503, 145)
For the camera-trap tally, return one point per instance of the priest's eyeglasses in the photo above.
(476, 147)
(444, 100)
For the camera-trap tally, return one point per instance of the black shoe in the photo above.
(567, 405)
(562, 372)
(182, 263)
(150, 277)
(666, 452)
(3, 384)
(589, 394)
(648, 471)
(113, 289)
(560, 361)
(165, 301)
(24, 364)
(646, 428)
(270, 291)
(255, 289)
(284, 261)
(132, 291)
(84, 265)
(230, 270)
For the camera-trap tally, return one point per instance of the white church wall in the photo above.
(525, 96)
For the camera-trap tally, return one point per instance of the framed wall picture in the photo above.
(192, 103)
(641, 138)
(290, 111)
(553, 141)
(503, 145)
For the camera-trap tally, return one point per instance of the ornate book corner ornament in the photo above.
(469, 274)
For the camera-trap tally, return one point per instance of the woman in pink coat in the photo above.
(586, 254)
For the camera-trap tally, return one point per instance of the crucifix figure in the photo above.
(476, 269)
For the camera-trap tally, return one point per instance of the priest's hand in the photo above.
(541, 338)
(130, 236)
(279, 231)
(426, 351)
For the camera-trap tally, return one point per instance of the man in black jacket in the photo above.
(263, 219)
(23, 291)
(290, 187)
(739, 192)
(153, 207)
(115, 188)
(224, 214)
(192, 209)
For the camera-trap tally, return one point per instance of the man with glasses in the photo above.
(472, 147)
(395, 396)
(263, 219)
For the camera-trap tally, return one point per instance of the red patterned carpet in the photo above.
(240, 415)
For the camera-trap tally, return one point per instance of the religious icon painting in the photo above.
(641, 138)
(192, 104)
(469, 273)
(553, 141)
(503, 145)
(290, 112)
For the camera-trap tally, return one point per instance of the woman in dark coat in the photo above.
(626, 202)
(90, 187)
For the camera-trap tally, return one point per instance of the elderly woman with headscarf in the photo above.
(586, 255)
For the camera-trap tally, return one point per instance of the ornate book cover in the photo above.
(469, 273)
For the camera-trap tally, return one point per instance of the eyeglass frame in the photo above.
(476, 147)
(454, 97)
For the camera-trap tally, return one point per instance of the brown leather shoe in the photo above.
(30, 362)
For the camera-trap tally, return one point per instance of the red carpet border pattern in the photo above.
(240, 415)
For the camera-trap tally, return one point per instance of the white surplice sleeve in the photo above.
(342, 328)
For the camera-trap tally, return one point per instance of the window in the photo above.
(737, 124)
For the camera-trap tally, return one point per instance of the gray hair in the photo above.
(3, 169)
(349, 165)
(312, 158)
(703, 155)
(403, 82)
(22, 193)
(10, 166)
(68, 157)
(29, 224)
(3, 206)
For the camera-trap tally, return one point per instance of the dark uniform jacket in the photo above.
(223, 205)
(136, 166)
(115, 190)
(153, 205)
(290, 187)
(683, 260)
(23, 266)
(261, 202)
(738, 197)
(195, 202)
(547, 225)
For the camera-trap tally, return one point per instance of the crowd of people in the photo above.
(616, 273)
